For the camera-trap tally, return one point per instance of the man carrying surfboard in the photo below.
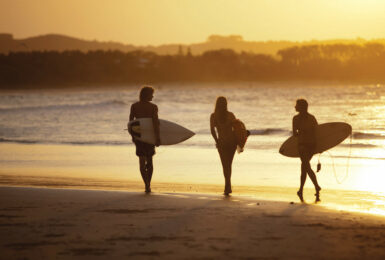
(145, 109)
(304, 127)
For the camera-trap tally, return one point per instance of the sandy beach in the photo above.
(39, 223)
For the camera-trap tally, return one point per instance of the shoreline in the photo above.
(251, 168)
(38, 223)
(371, 203)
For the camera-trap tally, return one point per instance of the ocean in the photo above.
(98, 117)
(79, 133)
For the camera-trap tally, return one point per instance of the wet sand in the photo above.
(38, 223)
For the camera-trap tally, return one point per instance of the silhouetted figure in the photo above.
(221, 121)
(304, 126)
(145, 109)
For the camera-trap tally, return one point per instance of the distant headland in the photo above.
(54, 60)
(57, 42)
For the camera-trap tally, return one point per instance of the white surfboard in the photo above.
(170, 133)
(327, 136)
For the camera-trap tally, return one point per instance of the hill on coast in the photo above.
(57, 42)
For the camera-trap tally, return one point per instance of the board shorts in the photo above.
(144, 149)
(306, 151)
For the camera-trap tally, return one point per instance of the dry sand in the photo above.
(37, 223)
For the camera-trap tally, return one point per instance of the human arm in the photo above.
(156, 123)
(314, 129)
(132, 117)
(212, 129)
(295, 126)
(231, 117)
(315, 121)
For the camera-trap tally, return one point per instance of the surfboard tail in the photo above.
(241, 134)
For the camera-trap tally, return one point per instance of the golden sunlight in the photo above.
(181, 21)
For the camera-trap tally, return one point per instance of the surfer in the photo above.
(221, 121)
(304, 126)
(145, 109)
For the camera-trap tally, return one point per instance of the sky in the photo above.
(154, 22)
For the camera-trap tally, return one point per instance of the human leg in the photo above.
(226, 153)
(306, 155)
(313, 178)
(230, 157)
(303, 174)
(310, 171)
(302, 181)
(143, 169)
(145, 152)
(149, 171)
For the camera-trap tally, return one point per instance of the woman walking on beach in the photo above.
(222, 131)
(145, 109)
(304, 126)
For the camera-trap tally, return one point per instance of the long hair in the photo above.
(221, 109)
(146, 93)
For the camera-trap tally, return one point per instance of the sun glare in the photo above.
(371, 177)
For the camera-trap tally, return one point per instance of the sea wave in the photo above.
(103, 104)
(21, 141)
(262, 131)
(362, 135)
(358, 157)
(269, 131)
(359, 145)
(98, 142)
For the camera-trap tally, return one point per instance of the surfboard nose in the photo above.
(349, 129)
(170, 132)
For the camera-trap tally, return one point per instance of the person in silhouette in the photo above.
(304, 127)
(145, 109)
(222, 131)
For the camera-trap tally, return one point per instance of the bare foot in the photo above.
(317, 190)
(300, 195)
